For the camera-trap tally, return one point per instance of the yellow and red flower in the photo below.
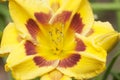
(56, 40)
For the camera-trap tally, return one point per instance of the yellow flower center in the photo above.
(56, 36)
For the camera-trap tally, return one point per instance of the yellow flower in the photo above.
(55, 40)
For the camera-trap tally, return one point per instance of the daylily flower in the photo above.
(55, 40)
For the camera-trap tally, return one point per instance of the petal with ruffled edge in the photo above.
(24, 15)
(83, 19)
(103, 34)
(10, 39)
(55, 75)
(86, 68)
(65, 11)
(84, 64)
(91, 49)
(25, 63)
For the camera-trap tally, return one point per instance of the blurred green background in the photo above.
(104, 10)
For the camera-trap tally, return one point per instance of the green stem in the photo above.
(110, 66)
(117, 0)
(38, 78)
(10, 76)
(4, 10)
(0, 34)
(106, 6)
(115, 75)
(118, 14)
(118, 20)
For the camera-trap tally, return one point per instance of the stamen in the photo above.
(56, 38)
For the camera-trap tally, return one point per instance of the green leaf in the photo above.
(0, 35)
(2, 23)
(38, 78)
(4, 15)
(4, 10)
(116, 76)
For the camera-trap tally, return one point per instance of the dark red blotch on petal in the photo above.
(32, 27)
(43, 18)
(76, 23)
(80, 46)
(70, 61)
(41, 61)
(62, 17)
(30, 48)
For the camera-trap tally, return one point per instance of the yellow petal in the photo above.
(107, 41)
(82, 19)
(19, 52)
(100, 28)
(27, 69)
(10, 39)
(86, 15)
(55, 75)
(66, 78)
(23, 12)
(86, 68)
(69, 6)
(45, 77)
(65, 11)
(103, 34)
(92, 49)
(91, 61)
(56, 4)
(23, 66)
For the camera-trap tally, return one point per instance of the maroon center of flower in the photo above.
(56, 38)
